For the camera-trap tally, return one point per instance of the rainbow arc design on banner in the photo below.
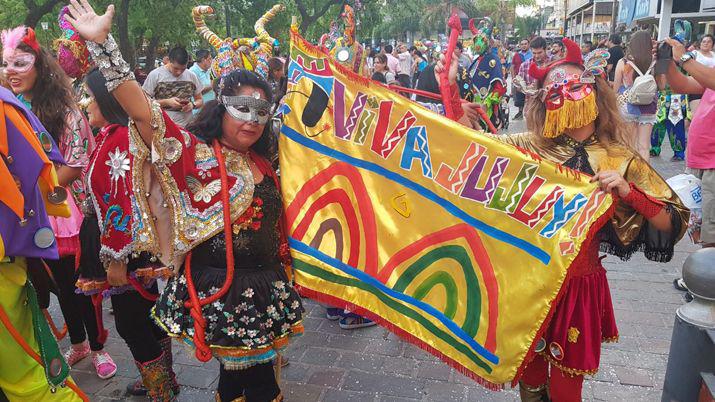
(450, 238)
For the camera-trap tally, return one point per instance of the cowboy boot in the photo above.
(169, 364)
(529, 394)
(157, 380)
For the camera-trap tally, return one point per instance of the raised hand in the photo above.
(88, 24)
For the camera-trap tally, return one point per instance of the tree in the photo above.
(35, 11)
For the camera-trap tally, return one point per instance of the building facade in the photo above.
(588, 20)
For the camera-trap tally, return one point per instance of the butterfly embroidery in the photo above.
(201, 192)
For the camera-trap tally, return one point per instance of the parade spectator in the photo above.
(464, 59)
(637, 62)
(616, 51)
(557, 50)
(393, 63)
(177, 89)
(418, 65)
(587, 47)
(276, 73)
(704, 55)
(202, 69)
(370, 61)
(521, 56)
(539, 56)
(382, 73)
(700, 152)
(404, 77)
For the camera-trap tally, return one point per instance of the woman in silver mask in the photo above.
(207, 204)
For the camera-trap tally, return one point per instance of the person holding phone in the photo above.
(177, 89)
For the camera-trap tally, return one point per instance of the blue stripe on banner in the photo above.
(490, 231)
(451, 325)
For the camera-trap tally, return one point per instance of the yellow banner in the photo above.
(454, 240)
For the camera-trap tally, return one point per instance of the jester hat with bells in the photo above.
(241, 53)
(570, 99)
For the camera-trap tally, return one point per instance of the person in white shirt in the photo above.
(177, 89)
(405, 59)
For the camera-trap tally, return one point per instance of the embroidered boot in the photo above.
(157, 380)
(169, 364)
(529, 394)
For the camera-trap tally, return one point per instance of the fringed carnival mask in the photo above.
(570, 100)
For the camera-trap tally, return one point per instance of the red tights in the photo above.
(562, 387)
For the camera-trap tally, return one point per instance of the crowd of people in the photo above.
(127, 149)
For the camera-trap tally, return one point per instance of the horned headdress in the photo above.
(247, 53)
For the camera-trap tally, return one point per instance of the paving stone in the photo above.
(320, 356)
(300, 392)
(400, 366)
(618, 393)
(388, 398)
(388, 347)
(89, 382)
(632, 376)
(339, 395)
(481, 394)
(197, 377)
(387, 385)
(354, 342)
(434, 371)
(442, 391)
(296, 372)
(361, 361)
(327, 377)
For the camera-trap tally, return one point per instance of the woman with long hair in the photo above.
(38, 81)
(106, 237)
(637, 61)
(574, 120)
(208, 204)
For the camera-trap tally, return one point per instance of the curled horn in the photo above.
(197, 14)
(262, 36)
(472, 28)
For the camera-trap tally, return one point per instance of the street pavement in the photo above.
(372, 364)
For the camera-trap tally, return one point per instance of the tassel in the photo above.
(573, 114)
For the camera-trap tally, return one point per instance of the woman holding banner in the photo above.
(574, 120)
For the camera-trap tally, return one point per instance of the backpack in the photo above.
(644, 89)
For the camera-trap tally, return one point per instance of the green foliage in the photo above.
(169, 22)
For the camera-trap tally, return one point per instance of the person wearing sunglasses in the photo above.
(40, 83)
(207, 203)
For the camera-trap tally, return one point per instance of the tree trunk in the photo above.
(35, 12)
(125, 44)
(151, 52)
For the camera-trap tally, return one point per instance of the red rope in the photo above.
(203, 352)
(30, 352)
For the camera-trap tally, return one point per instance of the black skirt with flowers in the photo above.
(260, 311)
